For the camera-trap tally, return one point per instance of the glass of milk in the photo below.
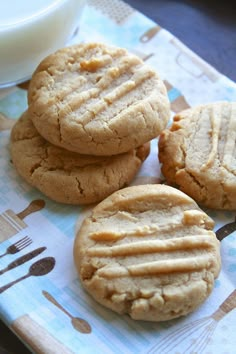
(30, 30)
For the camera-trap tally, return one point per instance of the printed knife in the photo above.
(25, 258)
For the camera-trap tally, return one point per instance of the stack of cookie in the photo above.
(93, 110)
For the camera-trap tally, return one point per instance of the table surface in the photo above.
(208, 28)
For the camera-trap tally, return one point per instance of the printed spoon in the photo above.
(78, 323)
(41, 267)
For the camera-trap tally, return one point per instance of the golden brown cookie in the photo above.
(68, 177)
(97, 99)
(148, 251)
(198, 154)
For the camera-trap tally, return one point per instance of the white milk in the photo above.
(30, 30)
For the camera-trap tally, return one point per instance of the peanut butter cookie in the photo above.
(68, 177)
(198, 154)
(97, 99)
(148, 251)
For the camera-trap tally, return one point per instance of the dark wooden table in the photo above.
(208, 27)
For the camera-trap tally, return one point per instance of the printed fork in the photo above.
(17, 246)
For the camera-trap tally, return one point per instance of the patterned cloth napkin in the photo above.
(41, 299)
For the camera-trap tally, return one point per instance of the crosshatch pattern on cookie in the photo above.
(96, 99)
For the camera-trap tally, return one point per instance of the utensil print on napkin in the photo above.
(41, 267)
(194, 336)
(6, 123)
(78, 323)
(192, 64)
(149, 34)
(17, 246)
(177, 100)
(119, 12)
(23, 259)
(37, 337)
(226, 230)
(11, 223)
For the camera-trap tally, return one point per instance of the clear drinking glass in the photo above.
(30, 30)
